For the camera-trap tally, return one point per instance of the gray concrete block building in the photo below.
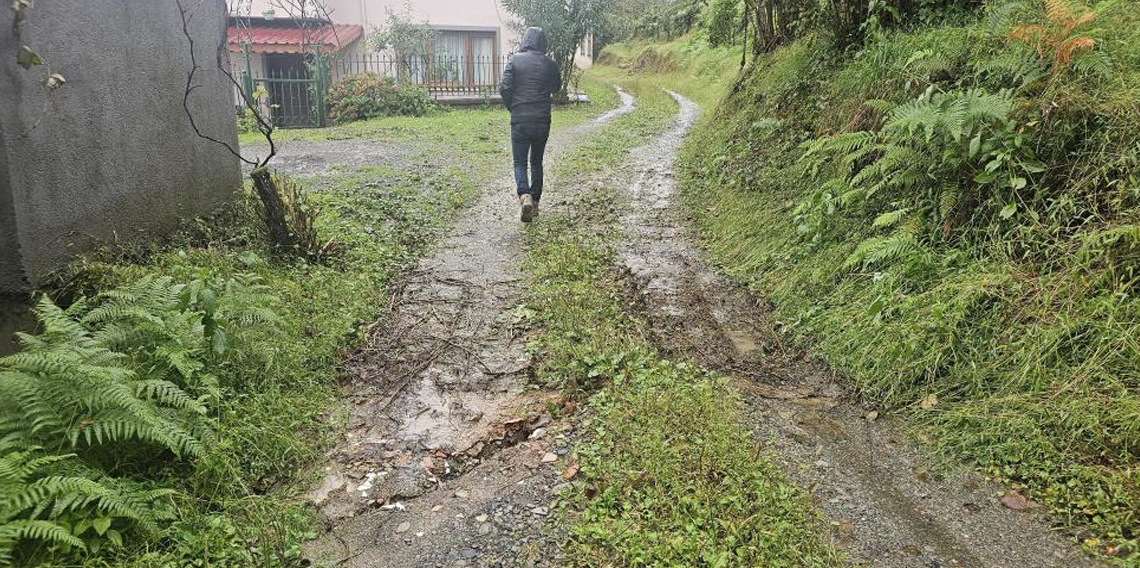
(110, 156)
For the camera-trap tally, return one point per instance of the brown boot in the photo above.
(527, 202)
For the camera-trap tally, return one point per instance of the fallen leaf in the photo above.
(929, 401)
(1015, 501)
(571, 471)
(872, 416)
(55, 81)
(27, 58)
(549, 457)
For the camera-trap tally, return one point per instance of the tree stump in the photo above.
(273, 207)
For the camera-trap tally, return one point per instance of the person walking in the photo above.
(528, 86)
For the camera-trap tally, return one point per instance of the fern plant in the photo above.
(135, 364)
(135, 367)
(64, 512)
(933, 160)
(67, 388)
(1057, 42)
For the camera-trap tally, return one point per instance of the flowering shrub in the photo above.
(369, 95)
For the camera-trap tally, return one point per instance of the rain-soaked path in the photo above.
(451, 460)
(443, 429)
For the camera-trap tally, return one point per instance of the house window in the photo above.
(464, 58)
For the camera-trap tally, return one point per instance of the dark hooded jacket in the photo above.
(530, 80)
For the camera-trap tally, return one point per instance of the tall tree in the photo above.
(567, 23)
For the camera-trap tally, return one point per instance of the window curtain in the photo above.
(450, 60)
(483, 54)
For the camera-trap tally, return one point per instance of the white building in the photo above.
(471, 29)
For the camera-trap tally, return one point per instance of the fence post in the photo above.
(247, 77)
(322, 85)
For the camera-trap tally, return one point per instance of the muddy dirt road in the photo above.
(452, 459)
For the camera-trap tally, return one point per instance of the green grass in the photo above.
(1027, 331)
(463, 126)
(242, 503)
(686, 65)
(677, 480)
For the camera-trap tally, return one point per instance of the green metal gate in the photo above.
(295, 86)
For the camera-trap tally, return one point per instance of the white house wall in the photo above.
(482, 15)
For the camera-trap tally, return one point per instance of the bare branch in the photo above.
(190, 85)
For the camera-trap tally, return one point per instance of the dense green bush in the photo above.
(370, 95)
(722, 22)
(668, 21)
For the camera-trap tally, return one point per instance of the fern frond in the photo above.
(878, 250)
(890, 218)
(1058, 11)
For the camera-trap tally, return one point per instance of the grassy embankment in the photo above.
(239, 502)
(676, 480)
(982, 282)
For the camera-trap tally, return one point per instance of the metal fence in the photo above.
(441, 75)
(295, 94)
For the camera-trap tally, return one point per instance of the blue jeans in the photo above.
(528, 140)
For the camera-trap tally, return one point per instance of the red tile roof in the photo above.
(286, 36)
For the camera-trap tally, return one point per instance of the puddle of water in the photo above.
(455, 420)
(15, 315)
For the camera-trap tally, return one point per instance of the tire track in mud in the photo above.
(888, 505)
(448, 460)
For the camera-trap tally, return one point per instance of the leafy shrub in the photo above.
(668, 21)
(722, 22)
(937, 163)
(247, 118)
(370, 95)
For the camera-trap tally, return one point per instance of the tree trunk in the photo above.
(273, 207)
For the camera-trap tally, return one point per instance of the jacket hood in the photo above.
(534, 40)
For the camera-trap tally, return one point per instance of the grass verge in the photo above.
(670, 476)
(467, 127)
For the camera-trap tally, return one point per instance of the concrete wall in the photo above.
(114, 156)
